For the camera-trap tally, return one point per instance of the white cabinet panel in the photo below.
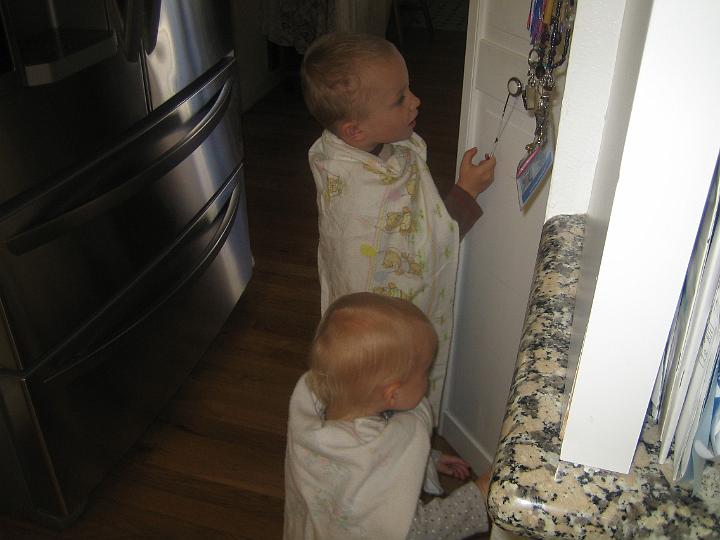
(498, 255)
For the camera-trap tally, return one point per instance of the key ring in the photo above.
(514, 87)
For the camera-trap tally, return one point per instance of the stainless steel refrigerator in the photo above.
(123, 229)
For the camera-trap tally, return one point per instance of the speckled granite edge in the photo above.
(525, 496)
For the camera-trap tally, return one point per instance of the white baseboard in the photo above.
(465, 444)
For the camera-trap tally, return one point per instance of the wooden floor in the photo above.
(211, 466)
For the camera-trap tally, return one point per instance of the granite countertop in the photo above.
(532, 492)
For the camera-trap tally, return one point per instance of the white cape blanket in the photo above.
(352, 479)
(385, 229)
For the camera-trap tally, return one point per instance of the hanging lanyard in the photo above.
(539, 17)
(514, 88)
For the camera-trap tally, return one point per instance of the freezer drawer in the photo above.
(69, 421)
(68, 249)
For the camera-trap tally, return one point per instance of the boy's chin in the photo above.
(405, 136)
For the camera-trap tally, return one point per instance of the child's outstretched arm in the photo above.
(474, 179)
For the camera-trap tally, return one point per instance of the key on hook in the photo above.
(514, 86)
(515, 89)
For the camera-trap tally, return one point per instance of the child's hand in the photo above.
(476, 178)
(453, 466)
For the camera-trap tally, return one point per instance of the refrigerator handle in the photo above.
(136, 24)
(52, 228)
(133, 22)
(228, 198)
(151, 22)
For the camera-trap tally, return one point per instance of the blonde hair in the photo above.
(331, 75)
(364, 341)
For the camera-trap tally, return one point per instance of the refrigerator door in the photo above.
(123, 231)
(71, 419)
(46, 128)
(72, 245)
(184, 39)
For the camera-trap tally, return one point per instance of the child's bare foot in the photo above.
(483, 482)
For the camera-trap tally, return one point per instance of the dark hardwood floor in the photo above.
(211, 466)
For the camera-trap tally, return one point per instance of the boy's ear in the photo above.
(351, 132)
(391, 394)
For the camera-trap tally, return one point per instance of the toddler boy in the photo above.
(383, 226)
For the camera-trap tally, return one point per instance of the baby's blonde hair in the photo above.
(364, 341)
(331, 75)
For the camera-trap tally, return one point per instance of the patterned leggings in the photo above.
(459, 515)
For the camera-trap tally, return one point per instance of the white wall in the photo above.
(606, 166)
(667, 163)
(643, 198)
(585, 102)
(499, 254)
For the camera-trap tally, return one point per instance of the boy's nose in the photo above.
(414, 101)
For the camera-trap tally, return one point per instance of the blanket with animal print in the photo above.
(384, 228)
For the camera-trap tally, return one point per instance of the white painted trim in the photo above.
(465, 444)
(471, 43)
